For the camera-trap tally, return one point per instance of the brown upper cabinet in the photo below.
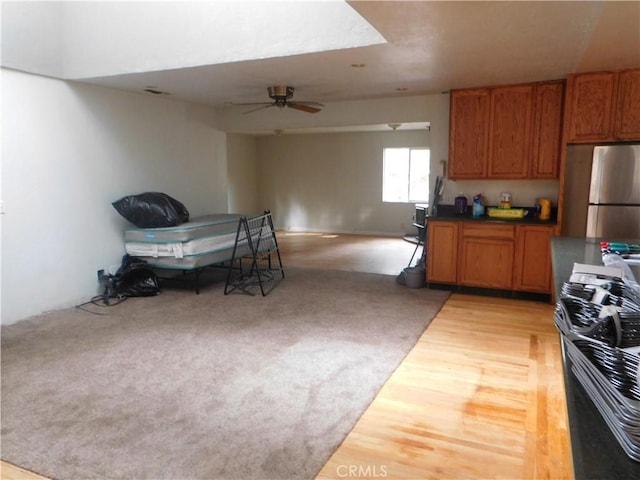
(506, 132)
(627, 118)
(603, 106)
(547, 130)
(510, 131)
(469, 133)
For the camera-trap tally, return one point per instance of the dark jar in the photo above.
(461, 204)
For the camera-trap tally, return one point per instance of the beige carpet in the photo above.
(206, 386)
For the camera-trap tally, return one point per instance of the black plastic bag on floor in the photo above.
(135, 278)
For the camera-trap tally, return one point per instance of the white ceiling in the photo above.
(219, 52)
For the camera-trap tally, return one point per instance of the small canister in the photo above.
(545, 208)
(477, 208)
(461, 204)
(505, 200)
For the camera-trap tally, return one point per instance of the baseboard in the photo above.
(368, 233)
(491, 292)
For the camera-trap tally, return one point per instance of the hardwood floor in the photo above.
(356, 253)
(11, 472)
(480, 396)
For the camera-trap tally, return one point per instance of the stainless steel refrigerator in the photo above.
(613, 210)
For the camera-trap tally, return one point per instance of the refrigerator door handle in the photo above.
(596, 174)
(592, 221)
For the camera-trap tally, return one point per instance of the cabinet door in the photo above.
(442, 251)
(486, 262)
(468, 129)
(510, 131)
(486, 255)
(627, 125)
(547, 130)
(532, 272)
(591, 107)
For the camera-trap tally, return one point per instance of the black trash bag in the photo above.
(152, 210)
(135, 278)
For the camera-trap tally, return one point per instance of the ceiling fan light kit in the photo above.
(280, 94)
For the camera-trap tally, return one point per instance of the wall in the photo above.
(68, 151)
(423, 108)
(242, 174)
(333, 182)
(523, 192)
(302, 179)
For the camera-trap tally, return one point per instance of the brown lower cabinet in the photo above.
(442, 262)
(486, 255)
(490, 255)
(532, 266)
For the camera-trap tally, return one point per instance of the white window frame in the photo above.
(397, 179)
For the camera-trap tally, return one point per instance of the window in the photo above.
(405, 175)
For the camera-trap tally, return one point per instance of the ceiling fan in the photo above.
(280, 94)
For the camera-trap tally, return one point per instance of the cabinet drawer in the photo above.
(492, 230)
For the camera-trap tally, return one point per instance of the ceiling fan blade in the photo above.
(259, 108)
(315, 104)
(303, 107)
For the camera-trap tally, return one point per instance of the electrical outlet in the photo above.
(100, 275)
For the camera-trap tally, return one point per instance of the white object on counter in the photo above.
(589, 274)
(614, 260)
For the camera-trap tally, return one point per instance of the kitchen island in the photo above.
(596, 452)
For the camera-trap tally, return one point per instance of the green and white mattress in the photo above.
(203, 241)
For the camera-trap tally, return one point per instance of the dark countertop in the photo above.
(596, 452)
(448, 213)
